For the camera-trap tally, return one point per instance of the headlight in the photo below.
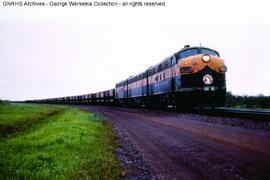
(223, 68)
(186, 69)
(206, 58)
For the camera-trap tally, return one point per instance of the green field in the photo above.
(54, 142)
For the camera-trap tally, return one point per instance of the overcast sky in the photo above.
(55, 51)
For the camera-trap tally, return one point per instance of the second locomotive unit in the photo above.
(192, 77)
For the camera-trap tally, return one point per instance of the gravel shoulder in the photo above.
(131, 159)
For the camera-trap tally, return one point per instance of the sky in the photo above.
(61, 51)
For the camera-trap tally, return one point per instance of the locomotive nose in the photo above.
(197, 63)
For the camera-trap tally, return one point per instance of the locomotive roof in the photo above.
(195, 47)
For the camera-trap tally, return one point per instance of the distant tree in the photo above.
(245, 101)
(3, 102)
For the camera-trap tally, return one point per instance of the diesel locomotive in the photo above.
(191, 77)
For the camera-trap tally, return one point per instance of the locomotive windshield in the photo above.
(189, 52)
(194, 51)
(210, 52)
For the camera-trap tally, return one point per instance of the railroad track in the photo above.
(263, 115)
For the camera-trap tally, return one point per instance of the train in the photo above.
(192, 77)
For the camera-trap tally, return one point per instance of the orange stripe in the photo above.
(198, 64)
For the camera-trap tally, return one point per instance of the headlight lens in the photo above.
(206, 58)
(223, 68)
(186, 69)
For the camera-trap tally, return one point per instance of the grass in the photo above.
(67, 144)
(13, 113)
(19, 117)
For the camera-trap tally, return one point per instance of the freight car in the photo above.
(191, 77)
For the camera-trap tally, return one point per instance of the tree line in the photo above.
(246, 101)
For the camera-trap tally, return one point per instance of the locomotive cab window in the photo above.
(210, 52)
(173, 60)
(189, 52)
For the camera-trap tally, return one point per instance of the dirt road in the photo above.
(181, 146)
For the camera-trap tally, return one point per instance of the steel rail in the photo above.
(255, 114)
